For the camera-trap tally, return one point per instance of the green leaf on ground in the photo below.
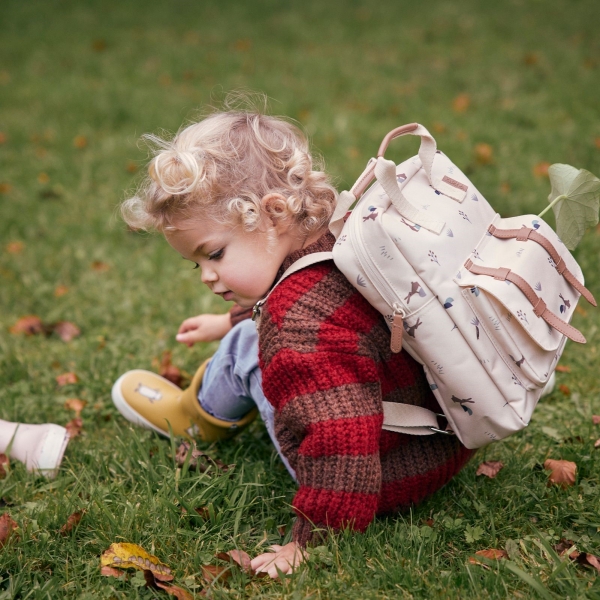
(575, 200)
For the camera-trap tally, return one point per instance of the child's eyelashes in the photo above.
(216, 254)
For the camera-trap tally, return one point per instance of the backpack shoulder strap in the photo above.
(301, 263)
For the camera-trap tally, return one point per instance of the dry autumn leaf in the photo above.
(484, 154)
(563, 369)
(5, 188)
(492, 554)
(175, 590)
(7, 526)
(76, 405)
(565, 389)
(2, 138)
(562, 472)
(566, 547)
(168, 370)
(112, 572)
(198, 460)
(66, 379)
(212, 572)
(72, 522)
(80, 141)
(3, 462)
(541, 169)
(60, 291)
(29, 325)
(461, 103)
(132, 556)
(490, 468)
(15, 247)
(100, 266)
(74, 427)
(66, 330)
(581, 311)
(239, 557)
(589, 560)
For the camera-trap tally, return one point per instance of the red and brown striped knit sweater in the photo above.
(326, 367)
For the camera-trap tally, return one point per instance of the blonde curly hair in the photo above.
(222, 166)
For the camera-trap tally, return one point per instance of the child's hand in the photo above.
(283, 558)
(203, 328)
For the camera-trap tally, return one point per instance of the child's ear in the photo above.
(274, 206)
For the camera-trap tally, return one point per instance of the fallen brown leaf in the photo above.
(589, 560)
(175, 590)
(541, 169)
(76, 405)
(581, 311)
(489, 468)
(74, 427)
(492, 554)
(80, 141)
(2, 137)
(7, 526)
(562, 472)
(563, 369)
(66, 379)
(72, 522)
(461, 103)
(99, 45)
(3, 461)
(212, 572)
(131, 556)
(597, 142)
(29, 325)
(484, 154)
(100, 266)
(439, 127)
(131, 167)
(168, 370)
(112, 572)
(66, 330)
(531, 58)
(5, 188)
(60, 290)
(203, 512)
(596, 419)
(565, 389)
(15, 247)
(564, 545)
(198, 460)
(239, 557)
(282, 529)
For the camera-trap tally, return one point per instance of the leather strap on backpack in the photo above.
(527, 233)
(539, 306)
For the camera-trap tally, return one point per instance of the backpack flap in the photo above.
(520, 299)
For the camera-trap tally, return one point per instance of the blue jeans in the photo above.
(232, 382)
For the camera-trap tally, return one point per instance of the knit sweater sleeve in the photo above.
(323, 382)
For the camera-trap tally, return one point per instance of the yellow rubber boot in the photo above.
(149, 400)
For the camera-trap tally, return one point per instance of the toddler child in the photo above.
(238, 194)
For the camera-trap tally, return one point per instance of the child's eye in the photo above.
(215, 255)
(196, 266)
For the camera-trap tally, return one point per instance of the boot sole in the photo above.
(125, 409)
(52, 452)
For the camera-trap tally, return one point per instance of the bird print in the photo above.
(462, 402)
(372, 214)
(415, 289)
(518, 362)
(413, 227)
(410, 329)
(448, 303)
(566, 303)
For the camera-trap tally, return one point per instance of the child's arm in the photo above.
(203, 328)
(210, 328)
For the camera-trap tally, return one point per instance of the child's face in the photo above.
(235, 264)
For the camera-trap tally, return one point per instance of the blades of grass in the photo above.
(240, 512)
(530, 580)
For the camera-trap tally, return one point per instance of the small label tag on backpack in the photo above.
(397, 330)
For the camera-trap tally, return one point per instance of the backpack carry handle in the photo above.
(427, 152)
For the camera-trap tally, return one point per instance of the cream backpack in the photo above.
(482, 302)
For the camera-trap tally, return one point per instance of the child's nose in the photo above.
(208, 275)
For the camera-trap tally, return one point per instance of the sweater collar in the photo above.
(324, 244)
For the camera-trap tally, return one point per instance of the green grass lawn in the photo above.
(79, 83)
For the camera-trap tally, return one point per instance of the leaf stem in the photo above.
(557, 199)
